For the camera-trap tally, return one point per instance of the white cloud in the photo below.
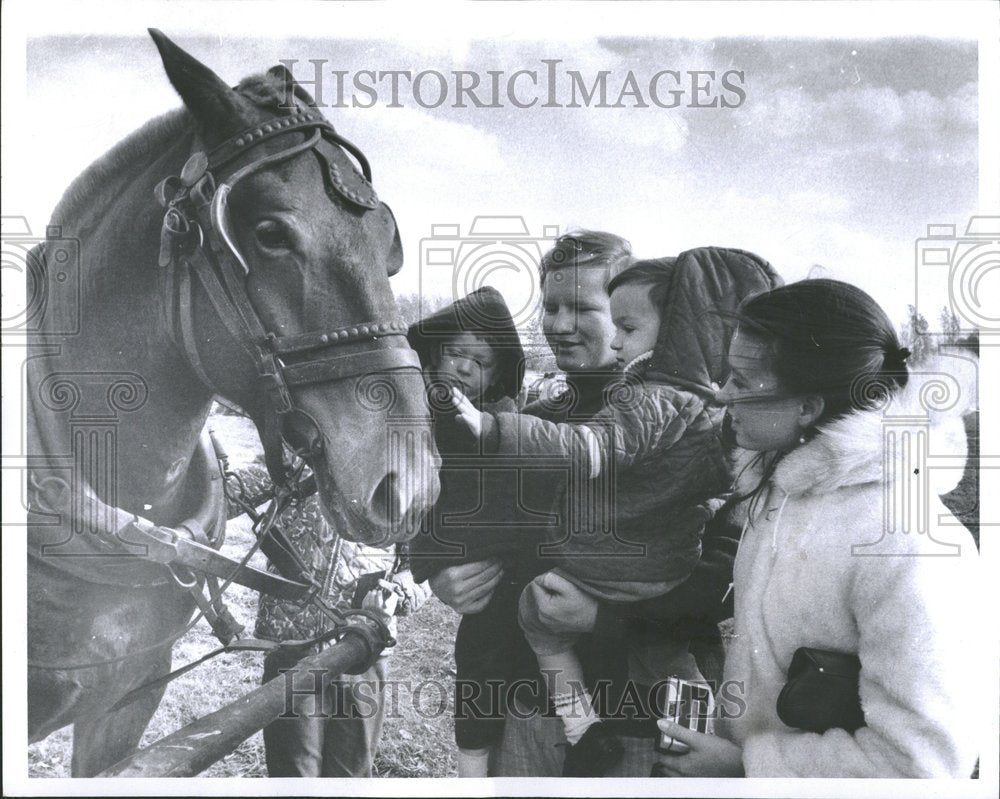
(428, 141)
(876, 120)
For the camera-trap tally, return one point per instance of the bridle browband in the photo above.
(196, 240)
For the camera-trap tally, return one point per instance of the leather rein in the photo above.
(196, 242)
(196, 239)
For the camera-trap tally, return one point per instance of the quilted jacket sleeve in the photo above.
(623, 432)
(253, 484)
(700, 602)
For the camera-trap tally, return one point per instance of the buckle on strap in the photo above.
(165, 545)
(271, 376)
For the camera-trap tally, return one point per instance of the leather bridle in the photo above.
(196, 240)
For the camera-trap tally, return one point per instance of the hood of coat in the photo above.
(858, 447)
(706, 286)
(484, 313)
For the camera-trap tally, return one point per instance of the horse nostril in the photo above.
(386, 501)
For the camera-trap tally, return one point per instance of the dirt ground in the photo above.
(418, 737)
(417, 741)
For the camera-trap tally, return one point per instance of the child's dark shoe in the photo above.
(597, 751)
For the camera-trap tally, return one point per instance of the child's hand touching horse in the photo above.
(467, 412)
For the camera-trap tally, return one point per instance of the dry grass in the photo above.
(417, 740)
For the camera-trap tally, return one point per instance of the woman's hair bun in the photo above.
(897, 356)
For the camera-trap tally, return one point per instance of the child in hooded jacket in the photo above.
(472, 345)
(650, 468)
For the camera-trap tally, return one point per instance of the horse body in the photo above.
(116, 407)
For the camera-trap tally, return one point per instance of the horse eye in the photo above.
(272, 235)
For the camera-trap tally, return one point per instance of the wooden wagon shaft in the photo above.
(192, 749)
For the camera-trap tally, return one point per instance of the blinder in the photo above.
(196, 240)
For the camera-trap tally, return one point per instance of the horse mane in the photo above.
(156, 135)
(77, 203)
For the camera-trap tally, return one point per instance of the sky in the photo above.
(862, 124)
(840, 153)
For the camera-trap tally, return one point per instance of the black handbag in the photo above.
(822, 692)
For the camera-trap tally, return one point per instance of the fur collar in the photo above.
(852, 450)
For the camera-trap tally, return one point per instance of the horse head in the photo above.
(289, 313)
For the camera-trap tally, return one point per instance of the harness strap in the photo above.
(240, 645)
(188, 341)
(270, 431)
(166, 546)
(305, 342)
(341, 628)
(340, 367)
(198, 263)
(283, 556)
(223, 625)
(230, 149)
(269, 427)
(212, 606)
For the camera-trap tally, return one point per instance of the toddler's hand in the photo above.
(414, 594)
(467, 412)
(383, 599)
(561, 605)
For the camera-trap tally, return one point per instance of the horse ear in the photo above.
(292, 88)
(217, 108)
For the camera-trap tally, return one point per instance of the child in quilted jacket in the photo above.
(650, 468)
(473, 346)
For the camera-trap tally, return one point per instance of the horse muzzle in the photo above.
(370, 444)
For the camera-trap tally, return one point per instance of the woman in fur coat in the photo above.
(846, 549)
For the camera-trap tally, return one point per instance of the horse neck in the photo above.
(139, 407)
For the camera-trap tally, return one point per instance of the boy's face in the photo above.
(576, 320)
(467, 362)
(637, 322)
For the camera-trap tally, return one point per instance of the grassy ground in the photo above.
(418, 736)
(416, 742)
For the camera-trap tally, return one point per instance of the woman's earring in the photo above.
(802, 438)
